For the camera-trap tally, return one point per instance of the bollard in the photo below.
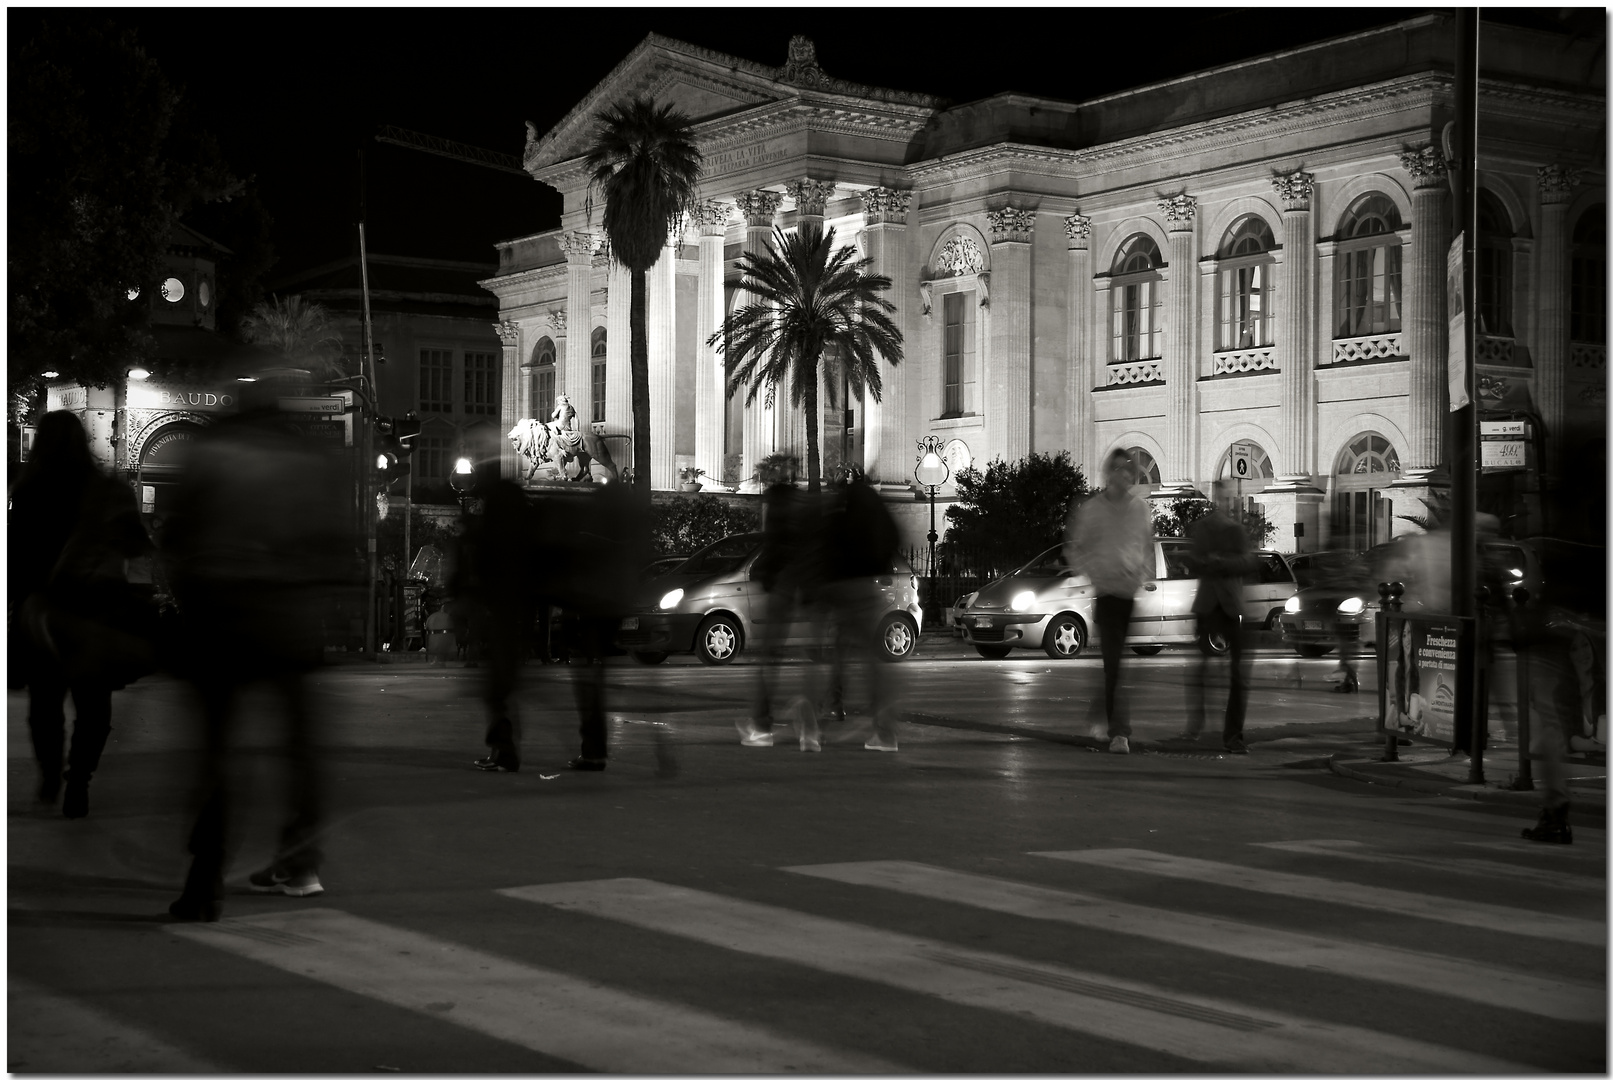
(1525, 780)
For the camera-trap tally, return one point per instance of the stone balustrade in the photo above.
(1238, 361)
(1136, 373)
(1371, 347)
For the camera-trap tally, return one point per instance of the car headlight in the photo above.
(1292, 607)
(1352, 606)
(670, 600)
(1023, 601)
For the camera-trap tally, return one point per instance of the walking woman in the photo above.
(70, 530)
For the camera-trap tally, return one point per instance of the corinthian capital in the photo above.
(1078, 231)
(579, 244)
(1557, 183)
(885, 205)
(1010, 225)
(710, 216)
(1294, 189)
(1427, 165)
(508, 332)
(758, 207)
(811, 196)
(1179, 211)
(557, 322)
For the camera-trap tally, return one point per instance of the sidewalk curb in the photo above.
(1350, 770)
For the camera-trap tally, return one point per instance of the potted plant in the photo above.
(690, 477)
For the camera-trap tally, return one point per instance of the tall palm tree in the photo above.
(302, 332)
(810, 298)
(645, 163)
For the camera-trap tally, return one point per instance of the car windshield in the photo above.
(1047, 564)
(725, 555)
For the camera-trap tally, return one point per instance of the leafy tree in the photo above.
(683, 524)
(103, 158)
(1015, 509)
(304, 333)
(810, 299)
(1181, 513)
(645, 163)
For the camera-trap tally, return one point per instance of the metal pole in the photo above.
(1526, 779)
(932, 538)
(1464, 471)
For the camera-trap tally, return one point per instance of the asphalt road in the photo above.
(998, 896)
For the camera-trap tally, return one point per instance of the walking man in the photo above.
(1222, 559)
(1109, 538)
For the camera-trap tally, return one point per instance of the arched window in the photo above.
(1246, 312)
(1135, 301)
(1147, 469)
(1492, 278)
(596, 350)
(1367, 293)
(1587, 305)
(543, 379)
(1366, 468)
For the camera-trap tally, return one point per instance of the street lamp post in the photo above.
(931, 472)
(463, 480)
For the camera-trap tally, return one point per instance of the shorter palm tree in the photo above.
(304, 333)
(808, 298)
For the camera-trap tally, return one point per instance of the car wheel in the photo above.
(1065, 638)
(1274, 622)
(650, 657)
(1214, 644)
(1146, 650)
(1313, 650)
(718, 640)
(897, 639)
(993, 652)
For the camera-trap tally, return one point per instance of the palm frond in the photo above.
(645, 163)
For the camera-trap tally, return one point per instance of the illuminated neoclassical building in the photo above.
(1237, 273)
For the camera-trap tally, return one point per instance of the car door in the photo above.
(1178, 587)
(1268, 589)
(1145, 610)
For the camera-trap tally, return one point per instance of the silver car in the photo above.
(1046, 605)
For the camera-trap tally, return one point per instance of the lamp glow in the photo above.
(49, 374)
(463, 467)
(139, 373)
(670, 600)
(1352, 606)
(1023, 601)
(1292, 607)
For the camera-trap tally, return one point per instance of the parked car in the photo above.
(709, 605)
(1046, 605)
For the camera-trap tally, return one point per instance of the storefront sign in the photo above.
(332, 405)
(142, 396)
(1504, 427)
(77, 398)
(169, 446)
(1502, 453)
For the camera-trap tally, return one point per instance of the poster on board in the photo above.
(1431, 655)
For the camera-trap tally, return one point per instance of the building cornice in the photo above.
(507, 284)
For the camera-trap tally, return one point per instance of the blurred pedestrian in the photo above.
(440, 634)
(497, 577)
(71, 529)
(1222, 560)
(861, 542)
(257, 548)
(1109, 538)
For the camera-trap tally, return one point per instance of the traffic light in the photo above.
(391, 454)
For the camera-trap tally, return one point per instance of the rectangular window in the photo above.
(481, 389)
(431, 459)
(436, 380)
(597, 390)
(1493, 285)
(1246, 308)
(1137, 331)
(1587, 306)
(1369, 291)
(543, 393)
(958, 365)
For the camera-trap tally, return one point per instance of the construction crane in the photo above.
(431, 144)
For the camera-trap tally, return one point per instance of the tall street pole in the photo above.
(367, 466)
(1463, 422)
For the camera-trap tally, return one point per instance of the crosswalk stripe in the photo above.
(47, 1032)
(1375, 898)
(547, 1011)
(1484, 983)
(1192, 1027)
(1357, 850)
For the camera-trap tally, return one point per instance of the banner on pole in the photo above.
(1456, 358)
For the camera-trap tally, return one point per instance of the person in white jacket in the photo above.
(1110, 539)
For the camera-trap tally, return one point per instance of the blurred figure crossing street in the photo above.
(860, 542)
(1222, 560)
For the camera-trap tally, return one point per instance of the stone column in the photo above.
(510, 405)
(885, 442)
(811, 199)
(661, 326)
(1427, 335)
(710, 397)
(1293, 500)
(618, 359)
(1078, 302)
(1551, 328)
(1007, 368)
(573, 376)
(1181, 372)
(758, 208)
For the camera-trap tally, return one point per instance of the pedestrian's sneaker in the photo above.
(1119, 745)
(876, 743)
(1552, 828)
(275, 880)
(751, 735)
(1236, 746)
(498, 763)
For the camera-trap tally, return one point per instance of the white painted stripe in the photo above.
(1446, 909)
(1594, 852)
(1483, 983)
(548, 1011)
(1357, 850)
(47, 1032)
(1192, 1027)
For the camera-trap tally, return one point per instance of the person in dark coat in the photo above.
(1223, 560)
(257, 546)
(860, 543)
(70, 530)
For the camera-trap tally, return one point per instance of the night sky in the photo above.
(292, 93)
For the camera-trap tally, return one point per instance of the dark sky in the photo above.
(292, 93)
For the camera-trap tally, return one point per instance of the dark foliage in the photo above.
(684, 524)
(1014, 509)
